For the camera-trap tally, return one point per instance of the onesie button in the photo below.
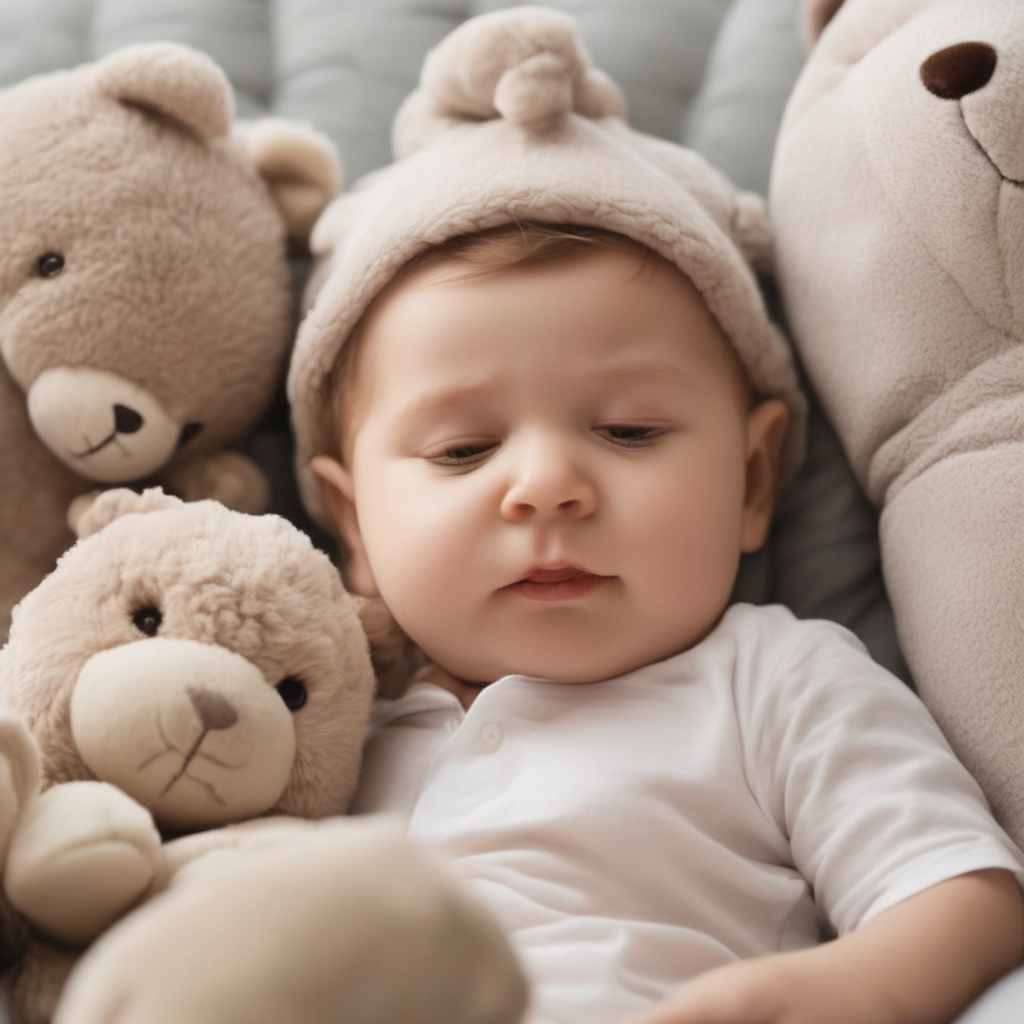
(490, 737)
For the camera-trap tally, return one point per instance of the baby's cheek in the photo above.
(690, 552)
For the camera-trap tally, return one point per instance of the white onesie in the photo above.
(631, 833)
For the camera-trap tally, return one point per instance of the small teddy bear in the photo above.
(145, 294)
(898, 202)
(186, 667)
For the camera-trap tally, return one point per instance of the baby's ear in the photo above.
(767, 424)
(299, 164)
(172, 81)
(336, 487)
(89, 513)
(814, 16)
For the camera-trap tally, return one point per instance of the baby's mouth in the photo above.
(556, 582)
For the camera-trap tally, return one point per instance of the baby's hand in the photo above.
(787, 988)
(922, 961)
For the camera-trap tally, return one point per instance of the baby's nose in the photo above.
(548, 483)
(959, 70)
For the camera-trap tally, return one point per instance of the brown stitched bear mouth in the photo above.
(92, 449)
(984, 152)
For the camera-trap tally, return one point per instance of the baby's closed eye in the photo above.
(460, 453)
(630, 435)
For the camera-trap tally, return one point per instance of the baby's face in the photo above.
(553, 470)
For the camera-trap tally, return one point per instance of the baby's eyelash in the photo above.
(630, 436)
(462, 454)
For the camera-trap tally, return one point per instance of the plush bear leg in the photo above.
(953, 551)
(351, 923)
(39, 980)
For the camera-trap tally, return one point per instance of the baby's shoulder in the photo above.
(774, 633)
(779, 664)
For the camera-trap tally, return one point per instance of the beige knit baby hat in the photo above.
(511, 123)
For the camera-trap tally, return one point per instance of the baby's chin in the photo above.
(574, 670)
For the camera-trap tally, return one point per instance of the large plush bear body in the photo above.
(145, 299)
(898, 198)
(186, 667)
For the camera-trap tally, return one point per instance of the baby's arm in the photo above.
(920, 962)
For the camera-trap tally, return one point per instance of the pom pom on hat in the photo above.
(526, 64)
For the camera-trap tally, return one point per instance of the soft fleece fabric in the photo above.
(898, 199)
(171, 227)
(264, 920)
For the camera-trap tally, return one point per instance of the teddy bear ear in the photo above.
(173, 81)
(814, 16)
(89, 513)
(299, 164)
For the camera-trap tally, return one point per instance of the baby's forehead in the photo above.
(499, 260)
(611, 300)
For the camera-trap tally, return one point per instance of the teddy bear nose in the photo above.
(127, 420)
(214, 711)
(959, 70)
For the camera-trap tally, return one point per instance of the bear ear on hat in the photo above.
(526, 65)
(172, 81)
(814, 16)
(300, 166)
(89, 513)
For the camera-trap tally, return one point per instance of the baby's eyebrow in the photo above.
(658, 371)
(482, 390)
(433, 399)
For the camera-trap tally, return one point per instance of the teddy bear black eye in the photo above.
(147, 620)
(50, 264)
(188, 432)
(293, 692)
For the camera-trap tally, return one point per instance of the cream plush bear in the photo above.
(898, 200)
(186, 667)
(145, 298)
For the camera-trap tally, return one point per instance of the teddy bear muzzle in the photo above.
(984, 80)
(192, 731)
(101, 425)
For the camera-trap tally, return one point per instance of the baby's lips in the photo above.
(556, 574)
(557, 582)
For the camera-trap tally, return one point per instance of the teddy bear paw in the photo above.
(19, 773)
(228, 477)
(347, 920)
(82, 854)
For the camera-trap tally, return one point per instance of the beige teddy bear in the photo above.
(183, 668)
(898, 200)
(145, 296)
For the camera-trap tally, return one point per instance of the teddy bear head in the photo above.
(899, 173)
(207, 662)
(145, 296)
